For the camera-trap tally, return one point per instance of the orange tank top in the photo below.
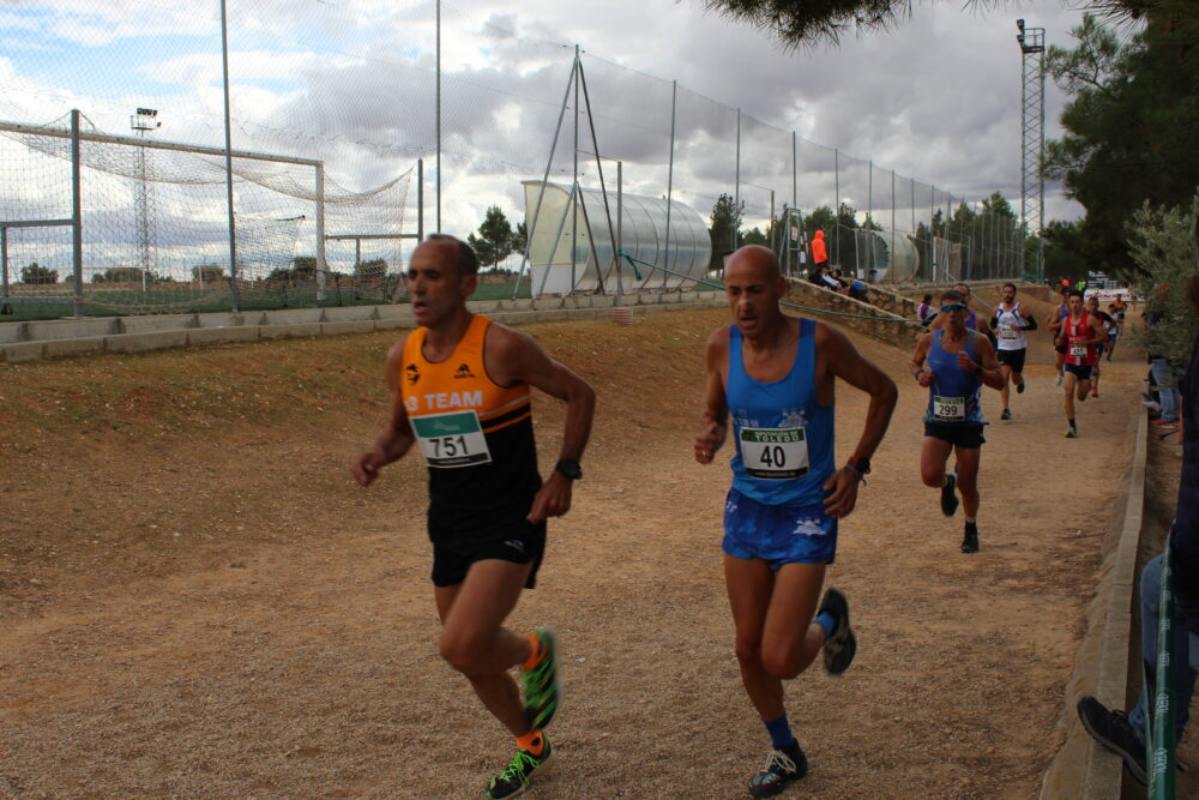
(476, 436)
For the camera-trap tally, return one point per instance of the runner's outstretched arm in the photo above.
(842, 360)
(517, 358)
(716, 411)
(397, 437)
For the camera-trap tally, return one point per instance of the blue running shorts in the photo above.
(778, 535)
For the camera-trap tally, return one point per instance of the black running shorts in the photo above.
(520, 542)
(1082, 371)
(967, 437)
(1013, 359)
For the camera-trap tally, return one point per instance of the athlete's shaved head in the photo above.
(755, 257)
(754, 286)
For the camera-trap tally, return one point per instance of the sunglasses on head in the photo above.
(949, 308)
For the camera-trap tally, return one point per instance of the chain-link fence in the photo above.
(357, 128)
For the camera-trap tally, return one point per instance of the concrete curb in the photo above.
(1082, 768)
(145, 334)
(1104, 768)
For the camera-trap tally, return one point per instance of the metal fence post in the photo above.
(674, 92)
(891, 260)
(76, 215)
(420, 200)
(800, 239)
(1161, 754)
(4, 257)
(869, 213)
(322, 266)
(574, 205)
(233, 289)
(437, 114)
(737, 178)
(837, 206)
(619, 230)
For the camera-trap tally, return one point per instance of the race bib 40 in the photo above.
(774, 453)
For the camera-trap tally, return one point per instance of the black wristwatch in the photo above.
(569, 468)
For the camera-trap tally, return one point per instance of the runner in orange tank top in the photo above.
(461, 387)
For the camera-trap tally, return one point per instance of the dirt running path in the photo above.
(195, 601)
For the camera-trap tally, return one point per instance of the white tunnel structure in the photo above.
(640, 232)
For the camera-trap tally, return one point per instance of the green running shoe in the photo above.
(514, 780)
(541, 684)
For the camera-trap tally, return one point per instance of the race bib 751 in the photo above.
(451, 440)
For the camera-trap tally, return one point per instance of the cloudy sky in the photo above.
(937, 100)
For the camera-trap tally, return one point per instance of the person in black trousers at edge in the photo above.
(1125, 734)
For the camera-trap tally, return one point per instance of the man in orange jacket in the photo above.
(819, 252)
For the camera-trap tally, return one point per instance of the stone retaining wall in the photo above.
(29, 341)
(856, 315)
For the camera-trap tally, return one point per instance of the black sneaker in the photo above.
(1006, 414)
(841, 646)
(949, 501)
(782, 768)
(1020, 387)
(514, 780)
(1113, 730)
(970, 540)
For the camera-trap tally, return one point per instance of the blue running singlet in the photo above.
(953, 396)
(784, 436)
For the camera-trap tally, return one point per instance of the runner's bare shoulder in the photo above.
(395, 362)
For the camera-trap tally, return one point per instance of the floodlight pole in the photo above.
(1032, 143)
(142, 121)
(674, 94)
(228, 163)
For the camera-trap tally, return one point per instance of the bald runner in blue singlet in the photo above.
(775, 377)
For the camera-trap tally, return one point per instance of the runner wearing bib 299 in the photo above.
(775, 376)
(959, 362)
